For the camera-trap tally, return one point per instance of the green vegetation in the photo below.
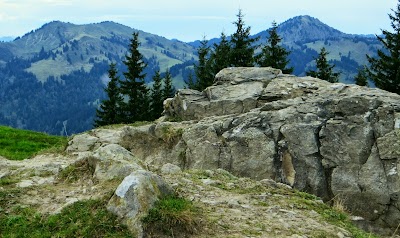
(22, 144)
(324, 69)
(385, 68)
(110, 111)
(81, 219)
(237, 52)
(6, 181)
(242, 44)
(130, 100)
(78, 170)
(133, 87)
(361, 78)
(273, 54)
(172, 215)
(171, 135)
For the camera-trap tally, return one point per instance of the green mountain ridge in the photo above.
(70, 47)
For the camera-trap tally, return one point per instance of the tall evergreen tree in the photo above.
(220, 55)
(110, 109)
(272, 54)
(204, 75)
(242, 52)
(168, 90)
(137, 106)
(157, 97)
(324, 69)
(385, 68)
(361, 78)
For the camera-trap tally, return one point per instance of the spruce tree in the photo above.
(384, 70)
(137, 106)
(220, 55)
(361, 78)
(324, 69)
(242, 52)
(168, 90)
(157, 97)
(110, 110)
(272, 54)
(204, 75)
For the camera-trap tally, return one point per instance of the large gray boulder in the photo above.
(135, 196)
(337, 141)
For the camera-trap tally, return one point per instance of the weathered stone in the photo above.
(113, 161)
(135, 196)
(82, 142)
(333, 140)
(170, 169)
(389, 145)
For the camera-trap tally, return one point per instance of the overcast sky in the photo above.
(189, 20)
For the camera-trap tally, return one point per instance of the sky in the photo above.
(189, 20)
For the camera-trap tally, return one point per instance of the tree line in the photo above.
(239, 51)
(130, 100)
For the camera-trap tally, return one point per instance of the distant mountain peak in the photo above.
(306, 28)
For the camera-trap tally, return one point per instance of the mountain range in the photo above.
(52, 78)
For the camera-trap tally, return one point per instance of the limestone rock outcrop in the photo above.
(336, 141)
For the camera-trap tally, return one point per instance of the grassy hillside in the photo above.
(59, 48)
(18, 144)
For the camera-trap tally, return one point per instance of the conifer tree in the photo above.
(190, 82)
(220, 55)
(168, 90)
(157, 97)
(242, 52)
(137, 106)
(273, 55)
(204, 76)
(324, 69)
(110, 109)
(384, 70)
(361, 78)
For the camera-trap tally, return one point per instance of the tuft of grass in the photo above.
(7, 181)
(171, 135)
(18, 144)
(172, 215)
(74, 172)
(82, 219)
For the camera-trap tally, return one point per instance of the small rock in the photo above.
(230, 185)
(283, 186)
(4, 174)
(210, 182)
(25, 183)
(209, 173)
(269, 183)
(233, 203)
(340, 235)
(170, 169)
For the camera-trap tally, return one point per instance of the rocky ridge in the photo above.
(242, 144)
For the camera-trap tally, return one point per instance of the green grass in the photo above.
(79, 170)
(18, 144)
(172, 215)
(81, 219)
